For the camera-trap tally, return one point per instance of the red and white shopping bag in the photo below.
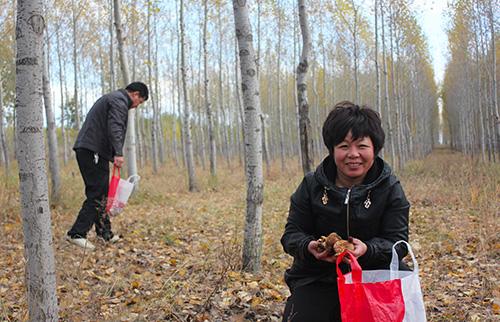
(380, 295)
(119, 192)
(113, 186)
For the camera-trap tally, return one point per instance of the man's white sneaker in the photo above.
(81, 242)
(114, 239)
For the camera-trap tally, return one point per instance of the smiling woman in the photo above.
(352, 193)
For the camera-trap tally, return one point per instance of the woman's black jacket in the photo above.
(376, 212)
(105, 125)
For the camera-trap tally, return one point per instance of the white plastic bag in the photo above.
(123, 192)
(410, 283)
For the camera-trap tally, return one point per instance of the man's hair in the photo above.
(361, 121)
(139, 87)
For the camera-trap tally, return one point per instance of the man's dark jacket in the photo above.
(378, 216)
(105, 125)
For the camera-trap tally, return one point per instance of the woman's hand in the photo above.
(359, 250)
(359, 247)
(322, 256)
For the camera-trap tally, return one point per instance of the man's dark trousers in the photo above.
(95, 173)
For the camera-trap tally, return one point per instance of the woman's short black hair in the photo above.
(139, 87)
(361, 121)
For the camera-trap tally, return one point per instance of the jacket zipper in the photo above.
(346, 202)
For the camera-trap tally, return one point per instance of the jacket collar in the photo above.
(327, 170)
(125, 93)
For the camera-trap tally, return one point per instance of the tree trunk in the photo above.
(174, 119)
(377, 68)
(295, 92)
(210, 122)
(188, 146)
(356, 54)
(494, 73)
(75, 67)
(3, 141)
(304, 122)
(252, 243)
(33, 187)
(154, 120)
(111, 49)
(386, 92)
(237, 81)
(220, 98)
(51, 130)
(479, 93)
(394, 130)
(130, 139)
(278, 92)
(264, 119)
(157, 92)
(61, 89)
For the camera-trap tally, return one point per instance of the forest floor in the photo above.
(180, 256)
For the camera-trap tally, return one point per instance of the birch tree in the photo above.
(51, 131)
(130, 140)
(61, 91)
(278, 84)
(188, 144)
(377, 68)
(154, 121)
(304, 121)
(3, 141)
(211, 138)
(252, 241)
(74, 20)
(387, 102)
(496, 116)
(33, 187)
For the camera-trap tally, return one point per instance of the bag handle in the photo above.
(114, 170)
(134, 178)
(395, 258)
(356, 270)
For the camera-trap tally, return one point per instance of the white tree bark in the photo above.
(386, 87)
(377, 68)
(210, 123)
(51, 132)
(130, 140)
(111, 49)
(188, 145)
(61, 90)
(252, 244)
(33, 187)
(75, 65)
(304, 121)
(154, 121)
(3, 141)
(278, 84)
(157, 91)
(491, 21)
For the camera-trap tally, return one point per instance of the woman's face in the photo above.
(353, 159)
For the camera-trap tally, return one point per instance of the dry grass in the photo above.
(181, 253)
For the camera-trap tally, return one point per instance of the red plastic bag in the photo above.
(113, 187)
(368, 302)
